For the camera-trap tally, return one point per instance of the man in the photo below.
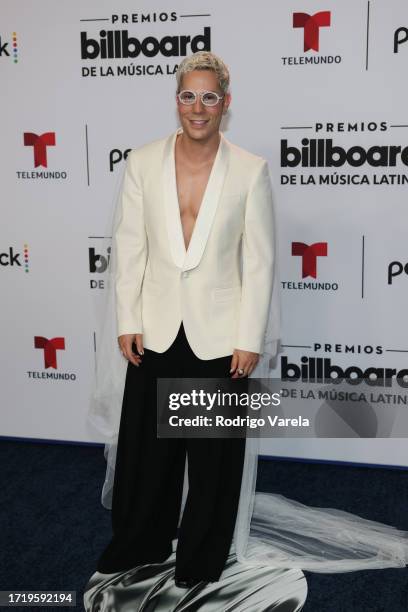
(192, 205)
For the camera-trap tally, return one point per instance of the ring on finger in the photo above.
(240, 371)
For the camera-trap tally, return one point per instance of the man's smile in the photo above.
(198, 122)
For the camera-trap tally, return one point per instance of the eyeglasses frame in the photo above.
(201, 94)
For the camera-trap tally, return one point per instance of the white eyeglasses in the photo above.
(208, 98)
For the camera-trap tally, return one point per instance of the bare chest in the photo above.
(191, 186)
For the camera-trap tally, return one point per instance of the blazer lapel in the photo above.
(171, 205)
(186, 260)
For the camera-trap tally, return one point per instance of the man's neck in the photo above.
(198, 151)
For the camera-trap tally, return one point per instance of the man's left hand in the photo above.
(242, 363)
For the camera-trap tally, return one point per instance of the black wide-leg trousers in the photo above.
(149, 475)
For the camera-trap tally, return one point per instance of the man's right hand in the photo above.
(125, 345)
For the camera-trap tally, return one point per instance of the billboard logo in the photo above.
(322, 153)
(97, 262)
(117, 44)
(322, 370)
(311, 25)
(130, 50)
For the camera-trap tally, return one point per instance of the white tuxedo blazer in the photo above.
(223, 301)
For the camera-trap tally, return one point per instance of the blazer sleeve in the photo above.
(257, 264)
(130, 242)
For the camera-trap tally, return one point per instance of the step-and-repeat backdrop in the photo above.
(320, 90)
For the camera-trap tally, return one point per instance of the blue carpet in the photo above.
(53, 526)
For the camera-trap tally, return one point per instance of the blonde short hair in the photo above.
(204, 60)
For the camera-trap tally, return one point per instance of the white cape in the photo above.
(271, 530)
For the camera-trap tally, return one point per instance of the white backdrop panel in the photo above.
(276, 97)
